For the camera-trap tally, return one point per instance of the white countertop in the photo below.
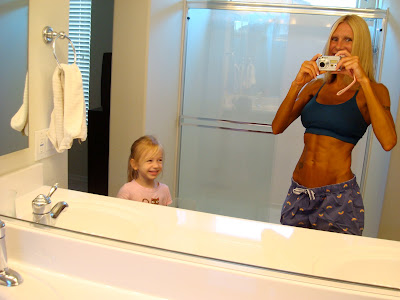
(296, 250)
(47, 285)
(60, 264)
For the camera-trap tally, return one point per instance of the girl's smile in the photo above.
(148, 168)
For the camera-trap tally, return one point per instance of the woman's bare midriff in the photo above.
(324, 161)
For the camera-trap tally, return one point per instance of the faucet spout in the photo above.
(58, 208)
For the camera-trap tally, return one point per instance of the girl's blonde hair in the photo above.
(144, 145)
(362, 45)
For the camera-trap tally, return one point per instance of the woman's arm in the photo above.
(377, 99)
(296, 98)
(289, 110)
(379, 112)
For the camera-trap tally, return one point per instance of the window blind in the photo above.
(79, 33)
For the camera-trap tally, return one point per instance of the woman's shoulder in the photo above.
(379, 87)
(380, 90)
(315, 84)
(311, 88)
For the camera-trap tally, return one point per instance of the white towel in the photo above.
(19, 121)
(68, 119)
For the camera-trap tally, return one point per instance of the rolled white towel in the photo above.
(19, 121)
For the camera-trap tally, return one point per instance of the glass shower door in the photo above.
(238, 68)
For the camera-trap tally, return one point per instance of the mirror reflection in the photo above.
(253, 59)
(230, 57)
(13, 72)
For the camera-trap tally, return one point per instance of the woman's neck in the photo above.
(341, 81)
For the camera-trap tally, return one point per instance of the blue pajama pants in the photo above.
(337, 208)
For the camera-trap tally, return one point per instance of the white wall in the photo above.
(390, 221)
(163, 80)
(41, 67)
(128, 85)
(145, 82)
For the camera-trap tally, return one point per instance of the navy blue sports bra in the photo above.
(342, 121)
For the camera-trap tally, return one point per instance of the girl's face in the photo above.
(149, 166)
(342, 39)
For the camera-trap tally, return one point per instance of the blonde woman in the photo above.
(324, 193)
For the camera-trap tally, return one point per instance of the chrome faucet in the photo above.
(8, 277)
(42, 211)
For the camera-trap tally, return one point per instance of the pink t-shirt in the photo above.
(134, 191)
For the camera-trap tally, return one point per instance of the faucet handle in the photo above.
(41, 204)
(52, 190)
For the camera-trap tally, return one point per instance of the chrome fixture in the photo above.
(51, 36)
(8, 277)
(42, 211)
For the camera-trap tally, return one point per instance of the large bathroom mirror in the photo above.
(278, 28)
(242, 40)
(282, 27)
(13, 74)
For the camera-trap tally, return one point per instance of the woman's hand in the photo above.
(308, 71)
(351, 66)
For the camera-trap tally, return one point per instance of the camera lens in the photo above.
(322, 64)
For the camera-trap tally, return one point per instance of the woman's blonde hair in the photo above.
(362, 45)
(144, 145)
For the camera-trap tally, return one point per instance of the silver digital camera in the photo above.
(327, 63)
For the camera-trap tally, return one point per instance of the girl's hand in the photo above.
(308, 71)
(350, 65)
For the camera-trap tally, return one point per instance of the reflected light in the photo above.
(239, 24)
(181, 215)
(249, 229)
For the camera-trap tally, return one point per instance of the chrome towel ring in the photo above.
(50, 35)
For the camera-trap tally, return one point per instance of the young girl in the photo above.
(144, 165)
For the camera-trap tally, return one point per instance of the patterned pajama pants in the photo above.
(337, 208)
